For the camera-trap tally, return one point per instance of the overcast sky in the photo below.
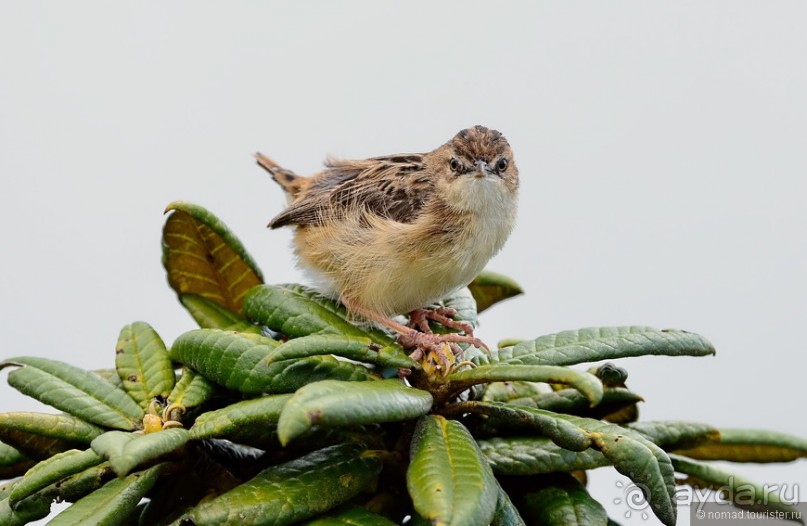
(662, 148)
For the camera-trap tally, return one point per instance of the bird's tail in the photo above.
(290, 181)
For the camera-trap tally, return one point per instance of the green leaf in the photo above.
(490, 288)
(563, 501)
(506, 513)
(112, 503)
(749, 445)
(332, 403)
(604, 343)
(33, 508)
(228, 421)
(210, 315)
(13, 462)
(111, 376)
(238, 361)
(290, 312)
(126, 451)
(571, 401)
(53, 470)
(296, 490)
(203, 257)
(742, 492)
(192, 389)
(41, 435)
(671, 435)
(143, 364)
(75, 391)
(448, 478)
(352, 347)
(507, 391)
(586, 383)
(355, 516)
(536, 455)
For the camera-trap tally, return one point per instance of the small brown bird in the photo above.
(391, 235)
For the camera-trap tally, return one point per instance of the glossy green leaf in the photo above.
(111, 376)
(563, 501)
(749, 445)
(228, 421)
(333, 403)
(604, 343)
(53, 470)
(289, 312)
(352, 347)
(355, 516)
(143, 364)
(126, 451)
(586, 383)
(112, 503)
(507, 391)
(506, 513)
(536, 455)
(239, 361)
(76, 486)
(192, 389)
(449, 480)
(671, 435)
(75, 391)
(489, 288)
(741, 492)
(41, 435)
(210, 315)
(291, 492)
(203, 257)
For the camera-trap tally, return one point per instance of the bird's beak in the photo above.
(483, 170)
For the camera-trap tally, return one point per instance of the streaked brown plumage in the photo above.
(392, 234)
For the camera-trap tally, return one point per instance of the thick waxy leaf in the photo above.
(192, 389)
(41, 435)
(378, 335)
(563, 501)
(743, 493)
(355, 516)
(571, 401)
(202, 257)
(111, 376)
(352, 347)
(507, 391)
(604, 343)
(53, 470)
(210, 315)
(566, 434)
(536, 455)
(586, 383)
(489, 288)
(506, 513)
(671, 435)
(749, 445)
(448, 478)
(75, 391)
(332, 403)
(240, 362)
(289, 312)
(13, 462)
(126, 451)
(228, 421)
(143, 364)
(33, 508)
(293, 491)
(110, 504)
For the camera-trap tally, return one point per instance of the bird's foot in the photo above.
(419, 319)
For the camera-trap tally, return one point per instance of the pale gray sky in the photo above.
(661, 145)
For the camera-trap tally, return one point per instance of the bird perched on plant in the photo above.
(393, 234)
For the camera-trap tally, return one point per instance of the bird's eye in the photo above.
(501, 165)
(454, 164)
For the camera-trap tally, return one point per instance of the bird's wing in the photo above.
(395, 187)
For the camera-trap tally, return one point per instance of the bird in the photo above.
(394, 234)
